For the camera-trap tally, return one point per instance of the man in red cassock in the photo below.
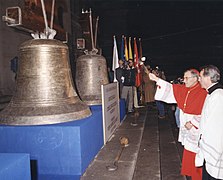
(190, 99)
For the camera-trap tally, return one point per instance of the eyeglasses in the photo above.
(186, 78)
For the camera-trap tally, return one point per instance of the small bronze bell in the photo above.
(44, 90)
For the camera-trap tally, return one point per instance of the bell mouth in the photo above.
(42, 115)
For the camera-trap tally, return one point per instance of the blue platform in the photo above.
(122, 106)
(58, 151)
(14, 166)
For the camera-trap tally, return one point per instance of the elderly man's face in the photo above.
(205, 81)
(189, 79)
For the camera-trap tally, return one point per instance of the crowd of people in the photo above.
(145, 93)
(198, 97)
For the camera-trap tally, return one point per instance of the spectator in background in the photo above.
(110, 75)
(177, 109)
(149, 89)
(177, 116)
(129, 74)
(119, 75)
(160, 104)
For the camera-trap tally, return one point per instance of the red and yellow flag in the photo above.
(130, 49)
(126, 50)
(136, 63)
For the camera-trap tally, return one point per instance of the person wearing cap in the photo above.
(190, 98)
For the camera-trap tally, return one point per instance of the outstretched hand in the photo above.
(153, 77)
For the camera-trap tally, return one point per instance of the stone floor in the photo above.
(153, 152)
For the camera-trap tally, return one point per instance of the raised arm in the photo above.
(153, 77)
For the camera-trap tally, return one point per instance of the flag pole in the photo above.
(115, 58)
(142, 98)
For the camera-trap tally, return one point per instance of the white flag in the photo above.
(115, 59)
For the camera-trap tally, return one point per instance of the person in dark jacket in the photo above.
(129, 74)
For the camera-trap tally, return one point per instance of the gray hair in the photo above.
(211, 71)
(194, 73)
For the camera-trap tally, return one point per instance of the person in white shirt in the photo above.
(210, 154)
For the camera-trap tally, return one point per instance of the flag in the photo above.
(140, 56)
(140, 49)
(115, 58)
(126, 50)
(130, 49)
(136, 56)
(136, 63)
(122, 49)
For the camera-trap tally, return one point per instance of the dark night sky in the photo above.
(176, 35)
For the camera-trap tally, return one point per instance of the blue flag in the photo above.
(122, 56)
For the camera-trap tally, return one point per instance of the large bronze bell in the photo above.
(91, 73)
(45, 93)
